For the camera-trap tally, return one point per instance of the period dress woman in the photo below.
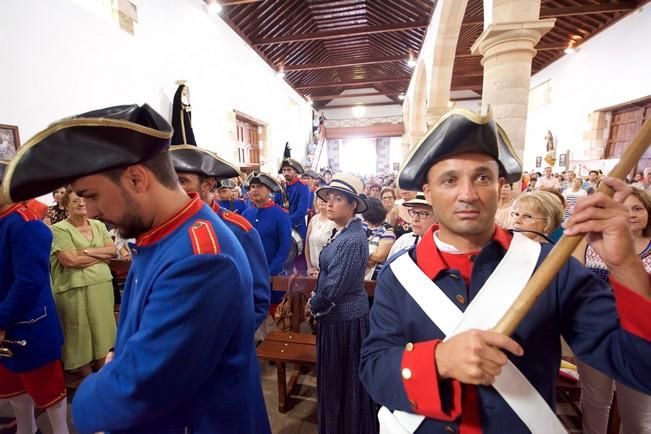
(340, 305)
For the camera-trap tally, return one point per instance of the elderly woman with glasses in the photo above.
(537, 214)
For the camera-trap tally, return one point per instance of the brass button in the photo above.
(413, 404)
(461, 299)
(406, 373)
(450, 429)
(409, 347)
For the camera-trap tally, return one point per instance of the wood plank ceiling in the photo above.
(326, 47)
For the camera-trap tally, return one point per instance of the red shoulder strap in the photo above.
(203, 238)
(237, 219)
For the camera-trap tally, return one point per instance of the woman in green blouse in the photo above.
(81, 281)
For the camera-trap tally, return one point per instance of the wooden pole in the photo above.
(566, 245)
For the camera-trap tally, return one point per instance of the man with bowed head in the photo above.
(430, 358)
(198, 171)
(186, 323)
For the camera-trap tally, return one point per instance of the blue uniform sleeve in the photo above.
(383, 348)
(154, 372)
(284, 234)
(592, 329)
(278, 199)
(31, 243)
(351, 259)
(240, 206)
(298, 216)
(261, 285)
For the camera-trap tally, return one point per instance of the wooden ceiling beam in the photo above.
(372, 104)
(299, 86)
(353, 95)
(344, 63)
(625, 6)
(334, 34)
(237, 2)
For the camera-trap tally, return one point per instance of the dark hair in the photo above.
(388, 190)
(375, 213)
(65, 200)
(160, 165)
(596, 172)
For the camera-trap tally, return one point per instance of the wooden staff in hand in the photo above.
(576, 228)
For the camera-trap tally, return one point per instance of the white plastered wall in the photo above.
(612, 68)
(60, 59)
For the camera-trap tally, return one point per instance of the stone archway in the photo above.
(446, 25)
(418, 124)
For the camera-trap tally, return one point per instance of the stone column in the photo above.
(382, 151)
(507, 49)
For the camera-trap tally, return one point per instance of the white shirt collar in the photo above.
(443, 246)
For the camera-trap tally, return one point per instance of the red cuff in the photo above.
(634, 310)
(421, 382)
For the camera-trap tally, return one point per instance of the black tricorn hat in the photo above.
(459, 131)
(3, 166)
(312, 174)
(192, 159)
(264, 179)
(83, 145)
(226, 183)
(298, 167)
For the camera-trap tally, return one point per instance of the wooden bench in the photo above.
(293, 347)
(283, 348)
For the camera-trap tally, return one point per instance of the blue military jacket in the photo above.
(576, 305)
(185, 360)
(256, 258)
(27, 310)
(274, 228)
(298, 195)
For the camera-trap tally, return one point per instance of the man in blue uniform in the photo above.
(298, 194)
(184, 356)
(226, 199)
(198, 171)
(272, 223)
(33, 372)
(429, 357)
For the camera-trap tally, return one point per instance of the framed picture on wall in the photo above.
(538, 161)
(9, 141)
(562, 160)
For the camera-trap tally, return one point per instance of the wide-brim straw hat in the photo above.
(83, 145)
(459, 131)
(192, 159)
(418, 200)
(347, 184)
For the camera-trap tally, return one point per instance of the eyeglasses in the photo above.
(420, 214)
(527, 218)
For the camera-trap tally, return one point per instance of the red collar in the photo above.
(159, 232)
(296, 180)
(266, 205)
(11, 209)
(428, 256)
(215, 206)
